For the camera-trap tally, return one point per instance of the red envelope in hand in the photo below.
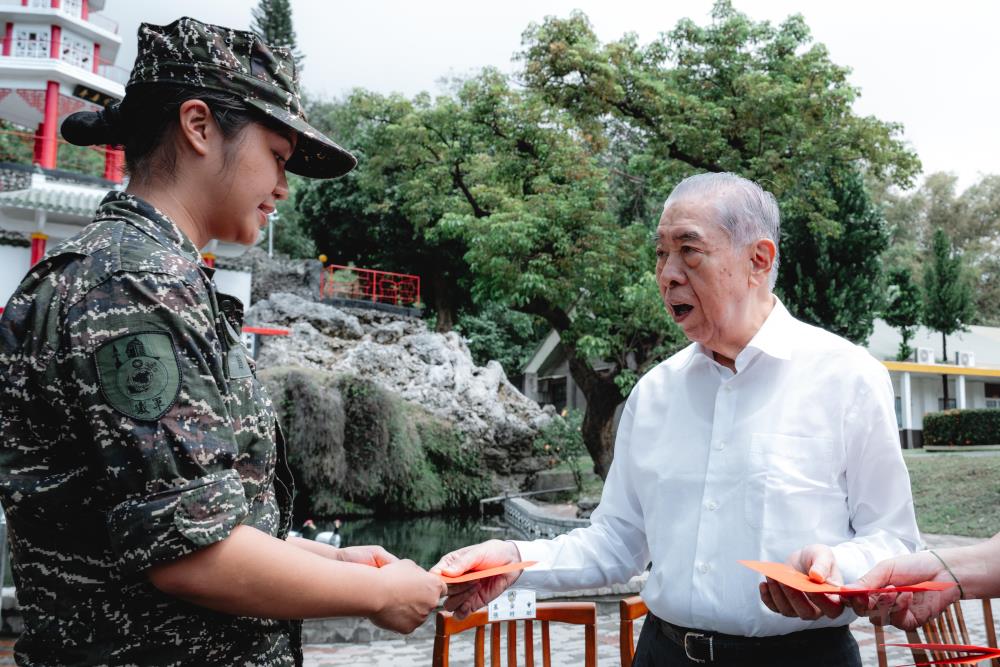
(791, 577)
(974, 655)
(492, 572)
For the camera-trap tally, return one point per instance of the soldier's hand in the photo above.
(904, 610)
(463, 599)
(409, 594)
(373, 555)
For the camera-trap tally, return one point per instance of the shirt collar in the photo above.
(149, 220)
(774, 338)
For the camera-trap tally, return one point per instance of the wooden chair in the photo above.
(629, 609)
(576, 613)
(948, 628)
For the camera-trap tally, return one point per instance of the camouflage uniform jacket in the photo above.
(133, 431)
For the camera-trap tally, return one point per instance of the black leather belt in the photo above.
(703, 646)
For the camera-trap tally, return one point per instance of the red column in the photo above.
(47, 148)
(8, 38)
(209, 259)
(55, 46)
(97, 56)
(85, 10)
(55, 4)
(113, 160)
(38, 247)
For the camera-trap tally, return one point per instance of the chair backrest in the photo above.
(629, 609)
(949, 628)
(576, 613)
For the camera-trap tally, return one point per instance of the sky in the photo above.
(930, 66)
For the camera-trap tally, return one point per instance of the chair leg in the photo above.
(495, 645)
(529, 644)
(546, 650)
(480, 656)
(590, 639)
(883, 661)
(512, 644)
(440, 658)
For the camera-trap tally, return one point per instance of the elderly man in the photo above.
(763, 435)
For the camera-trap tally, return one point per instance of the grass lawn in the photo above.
(958, 494)
(955, 494)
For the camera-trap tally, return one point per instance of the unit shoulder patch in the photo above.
(138, 374)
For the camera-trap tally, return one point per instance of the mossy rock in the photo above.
(355, 448)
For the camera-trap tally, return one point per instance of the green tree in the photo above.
(903, 307)
(970, 218)
(272, 21)
(382, 214)
(947, 294)
(748, 97)
(495, 332)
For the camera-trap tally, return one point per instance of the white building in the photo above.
(973, 375)
(57, 58)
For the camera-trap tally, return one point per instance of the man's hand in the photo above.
(374, 555)
(818, 562)
(463, 599)
(907, 611)
(409, 593)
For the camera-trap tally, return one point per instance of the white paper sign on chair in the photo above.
(516, 603)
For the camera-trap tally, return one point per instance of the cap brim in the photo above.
(316, 155)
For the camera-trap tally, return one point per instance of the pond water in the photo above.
(422, 539)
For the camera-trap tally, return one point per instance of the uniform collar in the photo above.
(149, 220)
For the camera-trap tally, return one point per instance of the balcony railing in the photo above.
(348, 282)
(99, 20)
(39, 48)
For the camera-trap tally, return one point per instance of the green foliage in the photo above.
(972, 221)
(947, 294)
(272, 21)
(736, 95)
(507, 336)
(903, 307)
(561, 441)
(956, 428)
(354, 448)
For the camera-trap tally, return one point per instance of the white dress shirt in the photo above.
(799, 446)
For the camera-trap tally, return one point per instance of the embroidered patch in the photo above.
(138, 374)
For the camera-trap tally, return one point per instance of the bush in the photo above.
(355, 448)
(562, 442)
(957, 428)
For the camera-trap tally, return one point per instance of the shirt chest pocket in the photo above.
(791, 482)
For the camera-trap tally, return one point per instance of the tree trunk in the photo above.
(944, 378)
(444, 308)
(598, 428)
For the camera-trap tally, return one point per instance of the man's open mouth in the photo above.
(680, 310)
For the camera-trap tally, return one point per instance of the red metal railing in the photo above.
(348, 282)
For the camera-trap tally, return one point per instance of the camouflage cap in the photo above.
(200, 55)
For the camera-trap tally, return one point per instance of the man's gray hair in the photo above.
(746, 211)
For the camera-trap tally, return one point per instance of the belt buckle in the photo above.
(699, 635)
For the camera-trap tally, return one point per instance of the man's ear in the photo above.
(197, 127)
(762, 254)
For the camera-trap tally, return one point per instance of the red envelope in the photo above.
(789, 576)
(492, 572)
(975, 653)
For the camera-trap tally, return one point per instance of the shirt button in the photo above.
(721, 444)
(712, 505)
(727, 388)
(703, 568)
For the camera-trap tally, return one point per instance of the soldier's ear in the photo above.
(196, 127)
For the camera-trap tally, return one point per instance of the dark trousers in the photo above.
(818, 648)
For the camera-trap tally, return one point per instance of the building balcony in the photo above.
(95, 28)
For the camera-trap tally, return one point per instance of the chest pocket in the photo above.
(792, 482)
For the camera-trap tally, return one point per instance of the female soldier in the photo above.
(141, 466)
